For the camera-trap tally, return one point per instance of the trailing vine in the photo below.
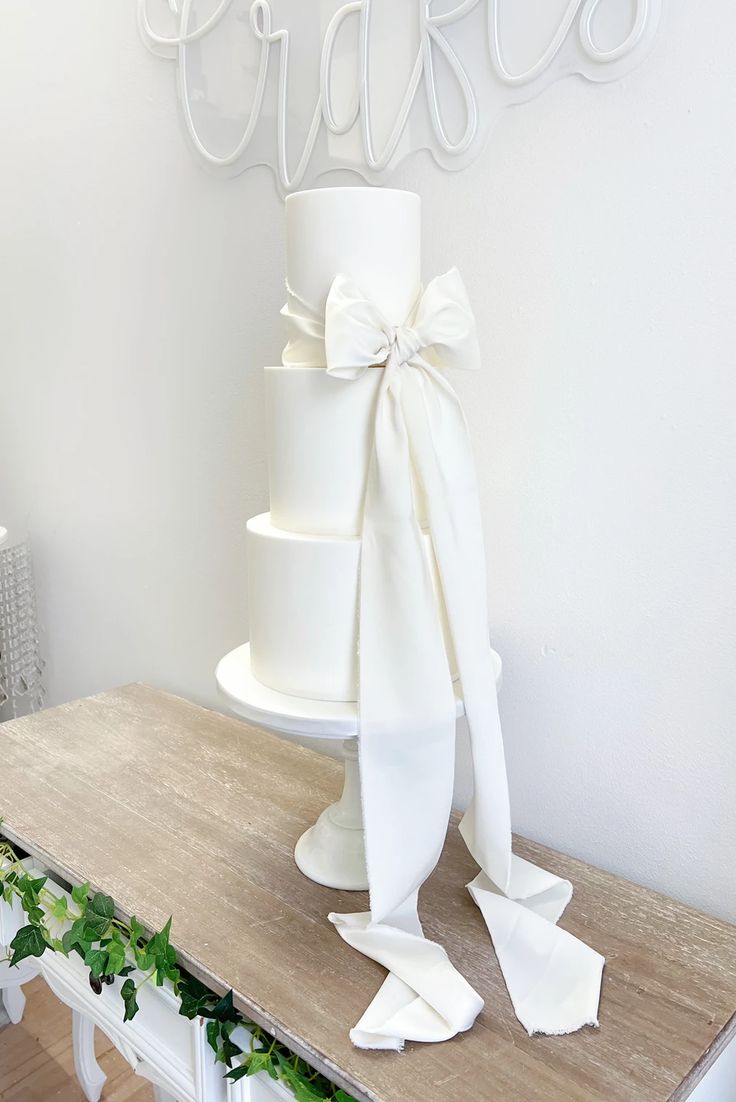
(111, 948)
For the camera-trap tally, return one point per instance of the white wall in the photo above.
(139, 298)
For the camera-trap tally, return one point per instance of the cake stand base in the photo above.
(332, 851)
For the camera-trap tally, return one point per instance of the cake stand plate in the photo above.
(332, 851)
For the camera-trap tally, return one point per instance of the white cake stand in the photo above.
(332, 851)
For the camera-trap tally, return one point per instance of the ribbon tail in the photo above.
(424, 998)
(407, 749)
(407, 704)
(553, 979)
(443, 460)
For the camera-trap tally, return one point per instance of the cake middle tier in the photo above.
(303, 594)
(320, 435)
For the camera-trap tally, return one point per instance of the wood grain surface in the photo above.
(176, 810)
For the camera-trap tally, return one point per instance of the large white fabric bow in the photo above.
(407, 705)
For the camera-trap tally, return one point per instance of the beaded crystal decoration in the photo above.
(21, 667)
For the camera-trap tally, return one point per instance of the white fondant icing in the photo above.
(320, 434)
(370, 234)
(303, 600)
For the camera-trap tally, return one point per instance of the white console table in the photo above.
(175, 810)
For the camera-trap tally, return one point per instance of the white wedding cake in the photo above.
(304, 556)
(369, 452)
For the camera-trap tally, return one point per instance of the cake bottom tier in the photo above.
(303, 599)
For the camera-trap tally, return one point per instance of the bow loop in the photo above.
(445, 323)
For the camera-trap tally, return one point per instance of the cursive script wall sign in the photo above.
(306, 86)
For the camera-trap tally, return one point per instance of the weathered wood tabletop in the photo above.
(174, 809)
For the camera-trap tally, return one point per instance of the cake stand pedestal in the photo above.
(332, 851)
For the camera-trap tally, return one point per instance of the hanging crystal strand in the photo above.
(21, 667)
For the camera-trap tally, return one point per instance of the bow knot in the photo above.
(404, 343)
(441, 327)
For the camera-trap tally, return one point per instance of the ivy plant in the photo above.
(111, 947)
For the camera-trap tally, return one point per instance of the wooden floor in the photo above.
(36, 1063)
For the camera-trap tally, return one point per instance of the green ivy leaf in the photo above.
(60, 907)
(129, 996)
(96, 925)
(190, 1007)
(223, 1011)
(28, 942)
(102, 905)
(237, 1073)
(75, 931)
(230, 1050)
(137, 933)
(96, 961)
(80, 893)
(159, 942)
(304, 1091)
(303, 1083)
(144, 960)
(194, 996)
(30, 887)
(116, 958)
(213, 1034)
(259, 1061)
(78, 937)
(161, 953)
(194, 987)
(341, 1096)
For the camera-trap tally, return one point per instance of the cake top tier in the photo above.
(370, 234)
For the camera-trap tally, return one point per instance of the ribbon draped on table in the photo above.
(407, 705)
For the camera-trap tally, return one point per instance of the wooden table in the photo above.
(173, 809)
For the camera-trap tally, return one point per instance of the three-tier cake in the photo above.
(304, 556)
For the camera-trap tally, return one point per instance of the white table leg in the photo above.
(89, 1073)
(15, 1003)
(12, 999)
